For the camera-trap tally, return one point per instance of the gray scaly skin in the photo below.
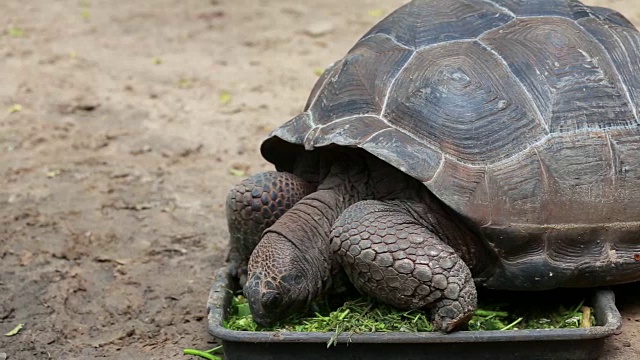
(298, 256)
(390, 252)
(254, 205)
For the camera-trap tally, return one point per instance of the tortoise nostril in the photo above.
(270, 299)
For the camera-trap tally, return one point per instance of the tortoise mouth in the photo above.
(264, 300)
(268, 303)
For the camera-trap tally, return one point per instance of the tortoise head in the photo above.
(281, 280)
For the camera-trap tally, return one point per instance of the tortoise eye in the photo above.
(293, 279)
(298, 279)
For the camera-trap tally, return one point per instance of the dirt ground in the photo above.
(123, 123)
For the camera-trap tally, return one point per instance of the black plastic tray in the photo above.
(548, 344)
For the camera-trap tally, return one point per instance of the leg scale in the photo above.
(389, 255)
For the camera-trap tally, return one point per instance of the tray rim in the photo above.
(604, 308)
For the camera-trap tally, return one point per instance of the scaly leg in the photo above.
(254, 205)
(389, 255)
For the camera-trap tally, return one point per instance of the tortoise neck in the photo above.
(307, 225)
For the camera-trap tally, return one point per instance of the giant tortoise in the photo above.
(462, 143)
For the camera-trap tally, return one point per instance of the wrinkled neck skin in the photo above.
(293, 263)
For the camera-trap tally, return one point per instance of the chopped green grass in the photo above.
(361, 315)
(508, 317)
(205, 354)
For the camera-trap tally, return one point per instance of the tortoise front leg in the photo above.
(254, 205)
(389, 255)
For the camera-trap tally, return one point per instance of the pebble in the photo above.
(3, 356)
(295, 10)
(319, 29)
(626, 343)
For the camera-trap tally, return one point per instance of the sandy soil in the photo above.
(129, 122)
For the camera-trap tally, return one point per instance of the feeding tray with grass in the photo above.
(538, 344)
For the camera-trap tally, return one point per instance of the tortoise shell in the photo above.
(520, 115)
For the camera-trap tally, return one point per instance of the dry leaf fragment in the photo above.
(15, 32)
(15, 330)
(15, 108)
(185, 83)
(53, 173)
(225, 97)
(239, 170)
(376, 13)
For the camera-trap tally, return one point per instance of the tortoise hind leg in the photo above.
(254, 205)
(390, 256)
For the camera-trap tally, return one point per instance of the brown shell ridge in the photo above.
(619, 81)
(324, 78)
(390, 89)
(612, 156)
(533, 104)
(424, 156)
(324, 82)
(501, 8)
(604, 259)
(449, 164)
(438, 170)
(569, 226)
(395, 41)
(624, 86)
(613, 76)
(310, 141)
(314, 140)
(556, 253)
(461, 41)
(487, 189)
(540, 142)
